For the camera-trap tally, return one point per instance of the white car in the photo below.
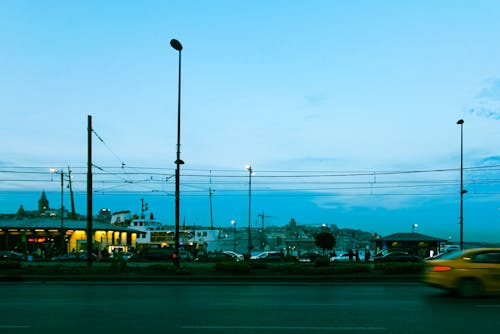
(267, 257)
(237, 257)
(344, 257)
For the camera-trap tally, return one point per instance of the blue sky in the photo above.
(322, 98)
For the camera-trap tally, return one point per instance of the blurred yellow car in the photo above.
(467, 273)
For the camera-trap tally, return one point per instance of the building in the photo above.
(47, 237)
(47, 232)
(412, 243)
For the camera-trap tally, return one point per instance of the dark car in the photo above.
(217, 257)
(69, 257)
(268, 257)
(308, 257)
(156, 254)
(397, 257)
(73, 257)
(10, 256)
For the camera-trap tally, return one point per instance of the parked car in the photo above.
(156, 254)
(268, 257)
(127, 256)
(70, 257)
(383, 252)
(308, 257)
(342, 257)
(440, 255)
(467, 273)
(11, 256)
(216, 257)
(397, 257)
(237, 257)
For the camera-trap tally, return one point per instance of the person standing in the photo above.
(351, 255)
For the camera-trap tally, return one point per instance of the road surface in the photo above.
(79, 308)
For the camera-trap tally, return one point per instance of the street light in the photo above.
(413, 228)
(63, 234)
(462, 190)
(177, 46)
(233, 222)
(250, 173)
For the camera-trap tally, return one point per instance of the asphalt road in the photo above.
(77, 308)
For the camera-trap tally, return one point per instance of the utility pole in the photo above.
(73, 212)
(210, 192)
(63, 233)
(89, 191)
(250, 246)
(262, 235)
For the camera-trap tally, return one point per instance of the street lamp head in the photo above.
(233, 222)
(176, 44)
(250, 170)
(460, 121)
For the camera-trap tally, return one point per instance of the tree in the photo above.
(325, 241)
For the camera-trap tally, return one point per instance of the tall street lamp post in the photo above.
(462, 190)
(250, 246)
(234, 235)
(63, 233)
(177, 46)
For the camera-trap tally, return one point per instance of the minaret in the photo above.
(43, 203)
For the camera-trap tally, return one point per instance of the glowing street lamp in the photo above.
(177, 46)
(462, 190)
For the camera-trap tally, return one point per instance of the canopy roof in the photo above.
(55, 223)
(416, 237)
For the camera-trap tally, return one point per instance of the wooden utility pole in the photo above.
(73, 212)
(89, 191)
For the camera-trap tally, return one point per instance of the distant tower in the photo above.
(43, 203)
(21, 213)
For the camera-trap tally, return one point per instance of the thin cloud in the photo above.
(315, 99)
(487, 102)
(491, 160)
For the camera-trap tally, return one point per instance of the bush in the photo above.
(156, 269)
(10, 265)
(119, 263)
(289, 269)
(400, 268)
(257, 265)
(322, 261)
(314, 269)
(232, 267)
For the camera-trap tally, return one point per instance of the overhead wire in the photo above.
(112, 177)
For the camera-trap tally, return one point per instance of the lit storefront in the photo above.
(47, 237)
